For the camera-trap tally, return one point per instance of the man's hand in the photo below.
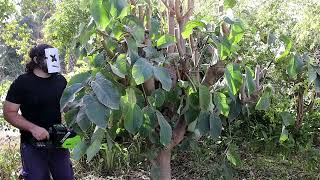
(40, 133)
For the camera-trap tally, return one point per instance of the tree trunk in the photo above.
(163, 161)
(300, 111)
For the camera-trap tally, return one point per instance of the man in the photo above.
(37, 94)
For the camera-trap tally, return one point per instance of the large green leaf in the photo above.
(150, 117)
(165, 129)
(220, 100)
(142, 71)
(96, 112)
(99, 14)
(166, 41)
(237, 32)
(190, 26)
(234, 78)
(205, 98)
(106, 92)
(232, 156)
(98, 134)
(83, 120)
(80, 78)
(132, 49)
(70, 117)
(93, 149)
(133, 116)
(295, 66)
(250, 85)
(159, 97)
(284, 134)
(312, 74)
(120, 67)
(229, 3)
(203, 125)
(69, 94)
(288, 45)
(163, 76)
(215, 126)
(79, 150)
(98, 60)
(264, 101)
(235, 110)
(287, 118)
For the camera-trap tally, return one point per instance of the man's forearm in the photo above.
(19, 121)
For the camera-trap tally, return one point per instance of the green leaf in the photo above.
(99, 14)
(132, 50)
(234, 78)
(93, 149)
(105, 91)
(120, 67)
(287, 118)
(69, 94)
(220, 100)
(284, 134)
(295, 67)
(133, 116)
(98, 60)
(190, 26)
(80, 78)
(232, 156)
(235, 110)
(165, 129)
(83, 120)
(237, 32)
(215, 126)
(263, 103)
(312, 74)
(70, 117)
(159, 97)
(229, 3)
(288, 45)
(150, 117)
(96, 112)
(163, 76)
(98, 134)
(203, 125)
(79, 150)
(166, 41)
(142, 71)
(250, 85)
(205, 98)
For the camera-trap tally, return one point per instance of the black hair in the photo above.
(39, 53)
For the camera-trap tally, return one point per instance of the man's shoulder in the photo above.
(60, 77)
(23, 77)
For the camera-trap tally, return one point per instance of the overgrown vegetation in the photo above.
(222, 90)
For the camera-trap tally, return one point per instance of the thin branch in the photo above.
(167, 5)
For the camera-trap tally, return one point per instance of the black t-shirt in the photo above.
(39, 99)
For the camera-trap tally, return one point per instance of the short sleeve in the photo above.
(15, 92)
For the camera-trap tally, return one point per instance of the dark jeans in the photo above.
(39, 163)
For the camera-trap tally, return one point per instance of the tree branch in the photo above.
(168, 6)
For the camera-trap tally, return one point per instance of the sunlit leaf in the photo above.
(190, 26)
(165, 129)
(166, 41)
(220, 100)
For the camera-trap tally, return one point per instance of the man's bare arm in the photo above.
(10, 112)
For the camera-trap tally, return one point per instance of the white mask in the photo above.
(52, 59)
